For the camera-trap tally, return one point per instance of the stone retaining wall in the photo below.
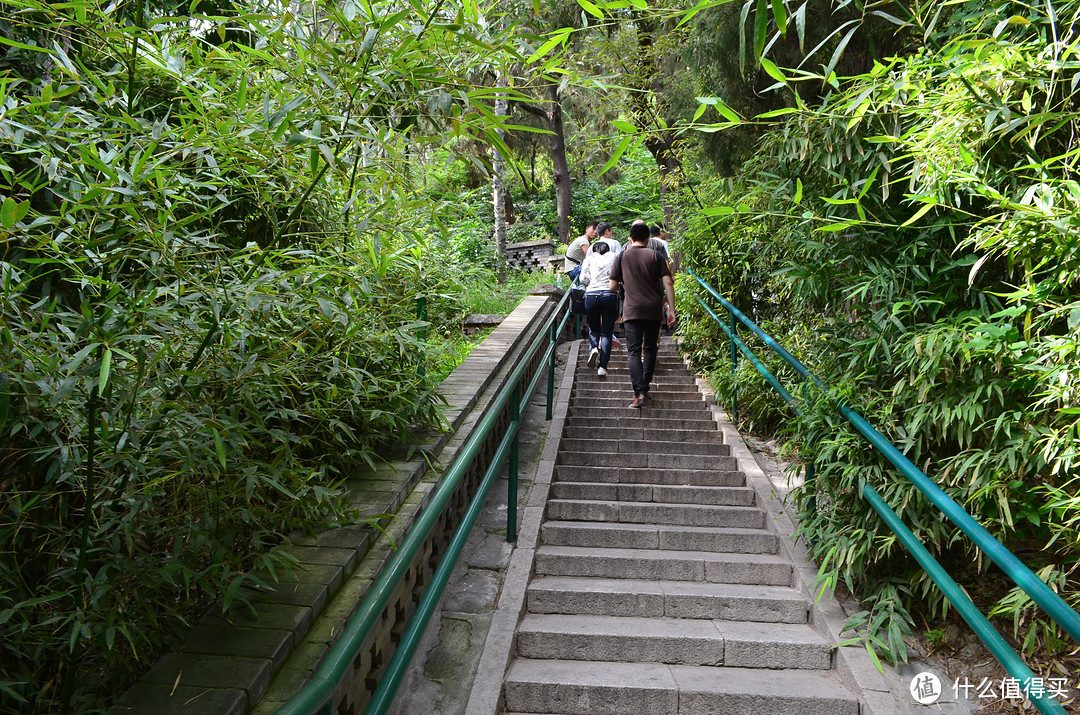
(246, 661)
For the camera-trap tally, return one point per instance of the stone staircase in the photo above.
(658, 585)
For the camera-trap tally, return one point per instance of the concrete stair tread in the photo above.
(676, 599)
(655, 476)
(656, 554)
(700, 495)
(585, 687)
(647, 446)
(655, 513)
(694, 419)
(645, 460)
(659, 436)
(655, 536)
(711, 566)
(673, 640)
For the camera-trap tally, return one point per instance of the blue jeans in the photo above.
(601, 311)
(638, 333)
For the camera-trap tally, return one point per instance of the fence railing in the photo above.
(317, 695)
(1059, 611)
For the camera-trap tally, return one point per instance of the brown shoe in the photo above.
(638, 402)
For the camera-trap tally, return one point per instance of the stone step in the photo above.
(674, 599)
(625, 412)
(649, 536)
(684, 477)
(620, 387)
(710, 566)
(614, 442)
(744, 517)
(586, 688)
(660, 401)
(679, 641)
(658, 437)
(587, 377)
(618, 420)
(647, 461)
(600, 491)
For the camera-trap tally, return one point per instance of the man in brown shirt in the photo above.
(646, 279)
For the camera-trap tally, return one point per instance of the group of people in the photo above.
(636, 280)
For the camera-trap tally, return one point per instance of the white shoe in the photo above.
(594, 356)
(601, 371)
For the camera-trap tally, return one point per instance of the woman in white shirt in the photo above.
(601, 304)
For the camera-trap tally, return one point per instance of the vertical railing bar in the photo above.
(734, 372)
(553, 338)
(512, 469)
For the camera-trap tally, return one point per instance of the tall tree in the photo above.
(551, 113)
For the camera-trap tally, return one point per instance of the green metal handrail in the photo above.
(316, 697)
(1020, 574)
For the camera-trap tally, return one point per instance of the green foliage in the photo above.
(211, 253)
(911, 240)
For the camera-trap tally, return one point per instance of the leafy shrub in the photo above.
(208, 312)
(908, 240)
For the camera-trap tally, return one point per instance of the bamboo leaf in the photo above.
(919, 214)
(780, 15)
(7, 212)
(619, 150)
(219, 447)
(103, 374)
(591, 9)
(772, 70)
(761, 28)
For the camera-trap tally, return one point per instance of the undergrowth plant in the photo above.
(912, 239)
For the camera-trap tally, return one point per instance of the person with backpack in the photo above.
(575, 252)
(601, 304)
(645, 277)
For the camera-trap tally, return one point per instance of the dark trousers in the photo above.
(601, 310)
(642, 333)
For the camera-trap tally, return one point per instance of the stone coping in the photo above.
(254, 660)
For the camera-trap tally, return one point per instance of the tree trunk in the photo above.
(560, 167)
(557, 146)
(663, 148)
(498, 188)
(649, 107)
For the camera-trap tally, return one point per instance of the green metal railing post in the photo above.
(512, 468)
(734, 371)
(811, 503)
(421, 315)
(554, 340)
